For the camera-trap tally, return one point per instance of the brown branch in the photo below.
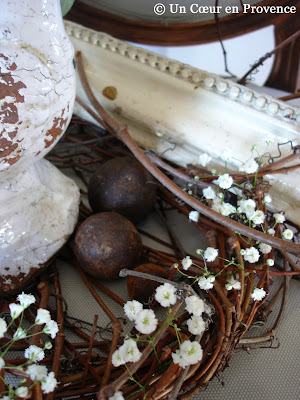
(89, 354)
(123, 135)
(60, 337)
(290, 96)
(267, 55)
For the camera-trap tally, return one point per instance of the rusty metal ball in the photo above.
(143, 289)
(105, 243)
(123, 185)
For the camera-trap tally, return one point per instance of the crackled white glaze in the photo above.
(168, 111)
(37, 91)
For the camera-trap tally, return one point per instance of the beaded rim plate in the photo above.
(180, 111)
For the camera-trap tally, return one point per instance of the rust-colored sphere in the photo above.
(122, 185)
(142, 289)
(105, 243)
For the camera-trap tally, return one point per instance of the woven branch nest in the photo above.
(89, 372)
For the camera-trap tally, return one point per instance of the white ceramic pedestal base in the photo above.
(39, 209)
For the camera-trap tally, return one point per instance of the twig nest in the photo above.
(143, 289)
(122, 185)
(105, 243)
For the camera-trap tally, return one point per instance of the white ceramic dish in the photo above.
(181, 111)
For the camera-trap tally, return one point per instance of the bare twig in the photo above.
(242, 81)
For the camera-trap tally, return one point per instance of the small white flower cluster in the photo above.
(209, 193)
(43, 317)
(25, 301)
(204, 159)
(248, 207)
(145, 320)
(288, 234)
(186, 262)
(251, 254)
(40, 373)
(264, 248)
(32, 353)
(233, 283)
(210, 254)
(189, 352)
(166, 295)
(206, 282)
(225, 181)
(223, 208)
(128, 352)
(117, 396)
(258, 294)
(194, 216)
(279, 218)
(250, 166)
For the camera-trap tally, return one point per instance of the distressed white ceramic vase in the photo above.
(38, 204)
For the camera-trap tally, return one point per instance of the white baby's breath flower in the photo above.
(129, 351)
(117, 396)
(188, 354)
(48, 345)
(19, 334)
(251, 255)
(21, 391)
(226, 209)
(2, 363)
(146, 322)
(51, 328)
(258, 217)
(194, 216)
(227, 154)
(166, 295)
(271, 231)
(216, 205)
(233, 283)
(209, 193)
(43, 316)
(206, 283)
(196, 325)
(49, 383)
(243, 252)
(34, 353)
(3, 327)
(249, 166)
(210, 254)
(186, 262)
(288, 234)
(279, 218)
(26, 299)
(37, 372)
(270, 262)
(267, 199)
(131, 308)
(247, 207)
(258, 294)
(194, 305)
(264, 248)
(117, 359)
(204, 159)
(15, 310)
(225, 181)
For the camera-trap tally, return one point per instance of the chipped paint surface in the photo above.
(39, 205)
(37, 81)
